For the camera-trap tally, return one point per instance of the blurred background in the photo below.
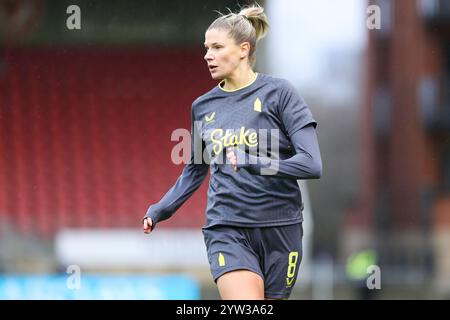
(86, 117)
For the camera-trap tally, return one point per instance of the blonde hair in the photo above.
(249, 25)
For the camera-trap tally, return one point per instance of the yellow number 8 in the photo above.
(293, 257)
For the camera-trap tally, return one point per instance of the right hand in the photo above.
(147, 225)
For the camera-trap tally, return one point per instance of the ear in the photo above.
(245, 49)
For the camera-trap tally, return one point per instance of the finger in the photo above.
(147, 226)
(234, 163)
(232, 159)
(230, 150)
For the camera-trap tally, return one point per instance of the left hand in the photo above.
(231, 155)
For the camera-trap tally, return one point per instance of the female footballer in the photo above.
(259, 137)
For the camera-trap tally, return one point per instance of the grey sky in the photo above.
(305, 33)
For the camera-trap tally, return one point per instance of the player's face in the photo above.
(223, 55)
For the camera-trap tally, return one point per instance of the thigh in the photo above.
(241, 285)
(228, 250)
(282, 254)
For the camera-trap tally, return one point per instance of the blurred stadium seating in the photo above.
(86, 135)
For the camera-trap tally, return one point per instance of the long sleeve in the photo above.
(189, 181)
(305, 164)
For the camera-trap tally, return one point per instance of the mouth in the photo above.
(212, 68)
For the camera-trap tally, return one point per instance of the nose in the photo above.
(207, 56)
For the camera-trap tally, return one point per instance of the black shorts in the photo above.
(274, 253)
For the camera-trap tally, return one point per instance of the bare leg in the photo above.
(241, 285)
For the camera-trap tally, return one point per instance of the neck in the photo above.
(239, 78)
